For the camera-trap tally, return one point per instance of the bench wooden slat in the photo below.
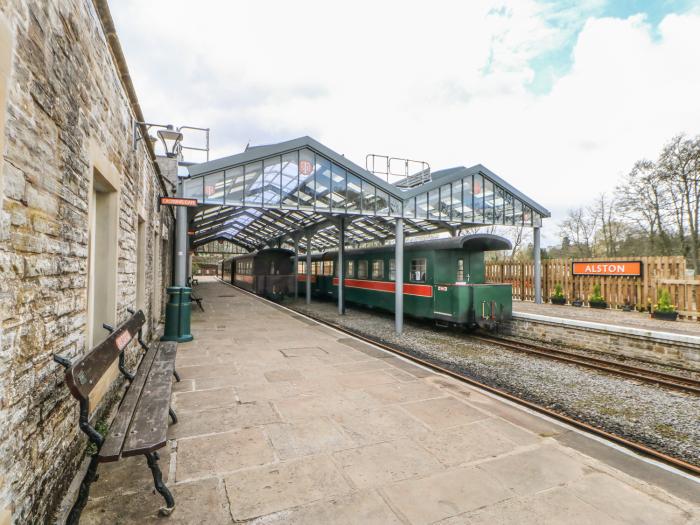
(149, 425)
(112, 446)
(83, 376)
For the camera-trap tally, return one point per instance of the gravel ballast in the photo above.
(661, 418)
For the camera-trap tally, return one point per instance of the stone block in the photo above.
(446, 494)
(307, 437)
(383, 463)
(534, 470)
(374, 425)
(142, 507)
(365, 507)
(214, 454)
(444, 412)
(260, 491)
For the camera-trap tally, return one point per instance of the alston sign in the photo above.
(618, 268)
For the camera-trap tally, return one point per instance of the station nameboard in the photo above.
(620, 268)
(178, 201)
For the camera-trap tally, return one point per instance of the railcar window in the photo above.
(301, 267)
(378, 269)
(418, 269)
(315, 267)
(392, 269)
(460, 270)
(350, 269)
(362, 269)
(327, 267)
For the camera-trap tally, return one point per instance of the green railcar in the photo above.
(444, 280)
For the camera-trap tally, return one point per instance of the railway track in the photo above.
(683, 384)
(635, 446)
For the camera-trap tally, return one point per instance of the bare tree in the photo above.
(644, 202)
(679, 165)
(579, 227)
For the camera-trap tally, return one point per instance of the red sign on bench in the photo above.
(123, 339)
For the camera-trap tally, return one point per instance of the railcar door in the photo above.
(442, 285)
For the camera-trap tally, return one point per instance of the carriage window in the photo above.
(314, 268)
(301, 267)
(327, 267)
(460, 270)
(418, 268)
(362, 269)
(350, 269)
(377, 269)
(392, 269)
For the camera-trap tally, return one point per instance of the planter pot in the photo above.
(627, 308)
(557, 300)
(602, 305)
(577, 302)
(666, 316)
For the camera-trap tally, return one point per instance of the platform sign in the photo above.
(612, 268)
(178, 201)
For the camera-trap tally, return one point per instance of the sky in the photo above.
(559, 98)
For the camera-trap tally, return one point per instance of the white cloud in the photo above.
(444, 82)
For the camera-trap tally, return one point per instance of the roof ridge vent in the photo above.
(401, 172)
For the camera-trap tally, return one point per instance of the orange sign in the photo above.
(622, 268)
(178, 201)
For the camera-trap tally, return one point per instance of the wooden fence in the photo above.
(657, 273)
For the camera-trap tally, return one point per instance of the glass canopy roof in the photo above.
(269, 194)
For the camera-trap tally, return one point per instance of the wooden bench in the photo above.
(197, 300)
(192, 281)
(141, 423)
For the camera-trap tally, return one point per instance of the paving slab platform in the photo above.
(283, 420)
(613, 318)
(634, 334)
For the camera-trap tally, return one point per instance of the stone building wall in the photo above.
(64, 113)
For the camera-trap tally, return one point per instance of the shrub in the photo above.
(664, 303)
(595, 297)
(558, 292)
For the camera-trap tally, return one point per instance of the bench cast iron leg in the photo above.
(173, 415)
(160, 486)
(90, 476)
(177, 376)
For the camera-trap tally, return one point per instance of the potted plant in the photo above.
(558, 295)
(628, 306)
(595, 300)
(663, 308)
(577, 302)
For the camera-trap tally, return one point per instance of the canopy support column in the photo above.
(180, 272)
(341, 266)
(537, 277)
(295, 270)
(308, 268)
(398, 277)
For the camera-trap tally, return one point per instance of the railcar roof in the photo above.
(476, 242)
(264, 251)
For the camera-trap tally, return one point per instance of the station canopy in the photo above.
(270, 194)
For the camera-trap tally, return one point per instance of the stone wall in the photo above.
(679, 350)
(65, 109)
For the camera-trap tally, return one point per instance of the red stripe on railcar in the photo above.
(420, 290)
(302, 277)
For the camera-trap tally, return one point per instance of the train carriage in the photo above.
(268, 272)
(444, 280)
